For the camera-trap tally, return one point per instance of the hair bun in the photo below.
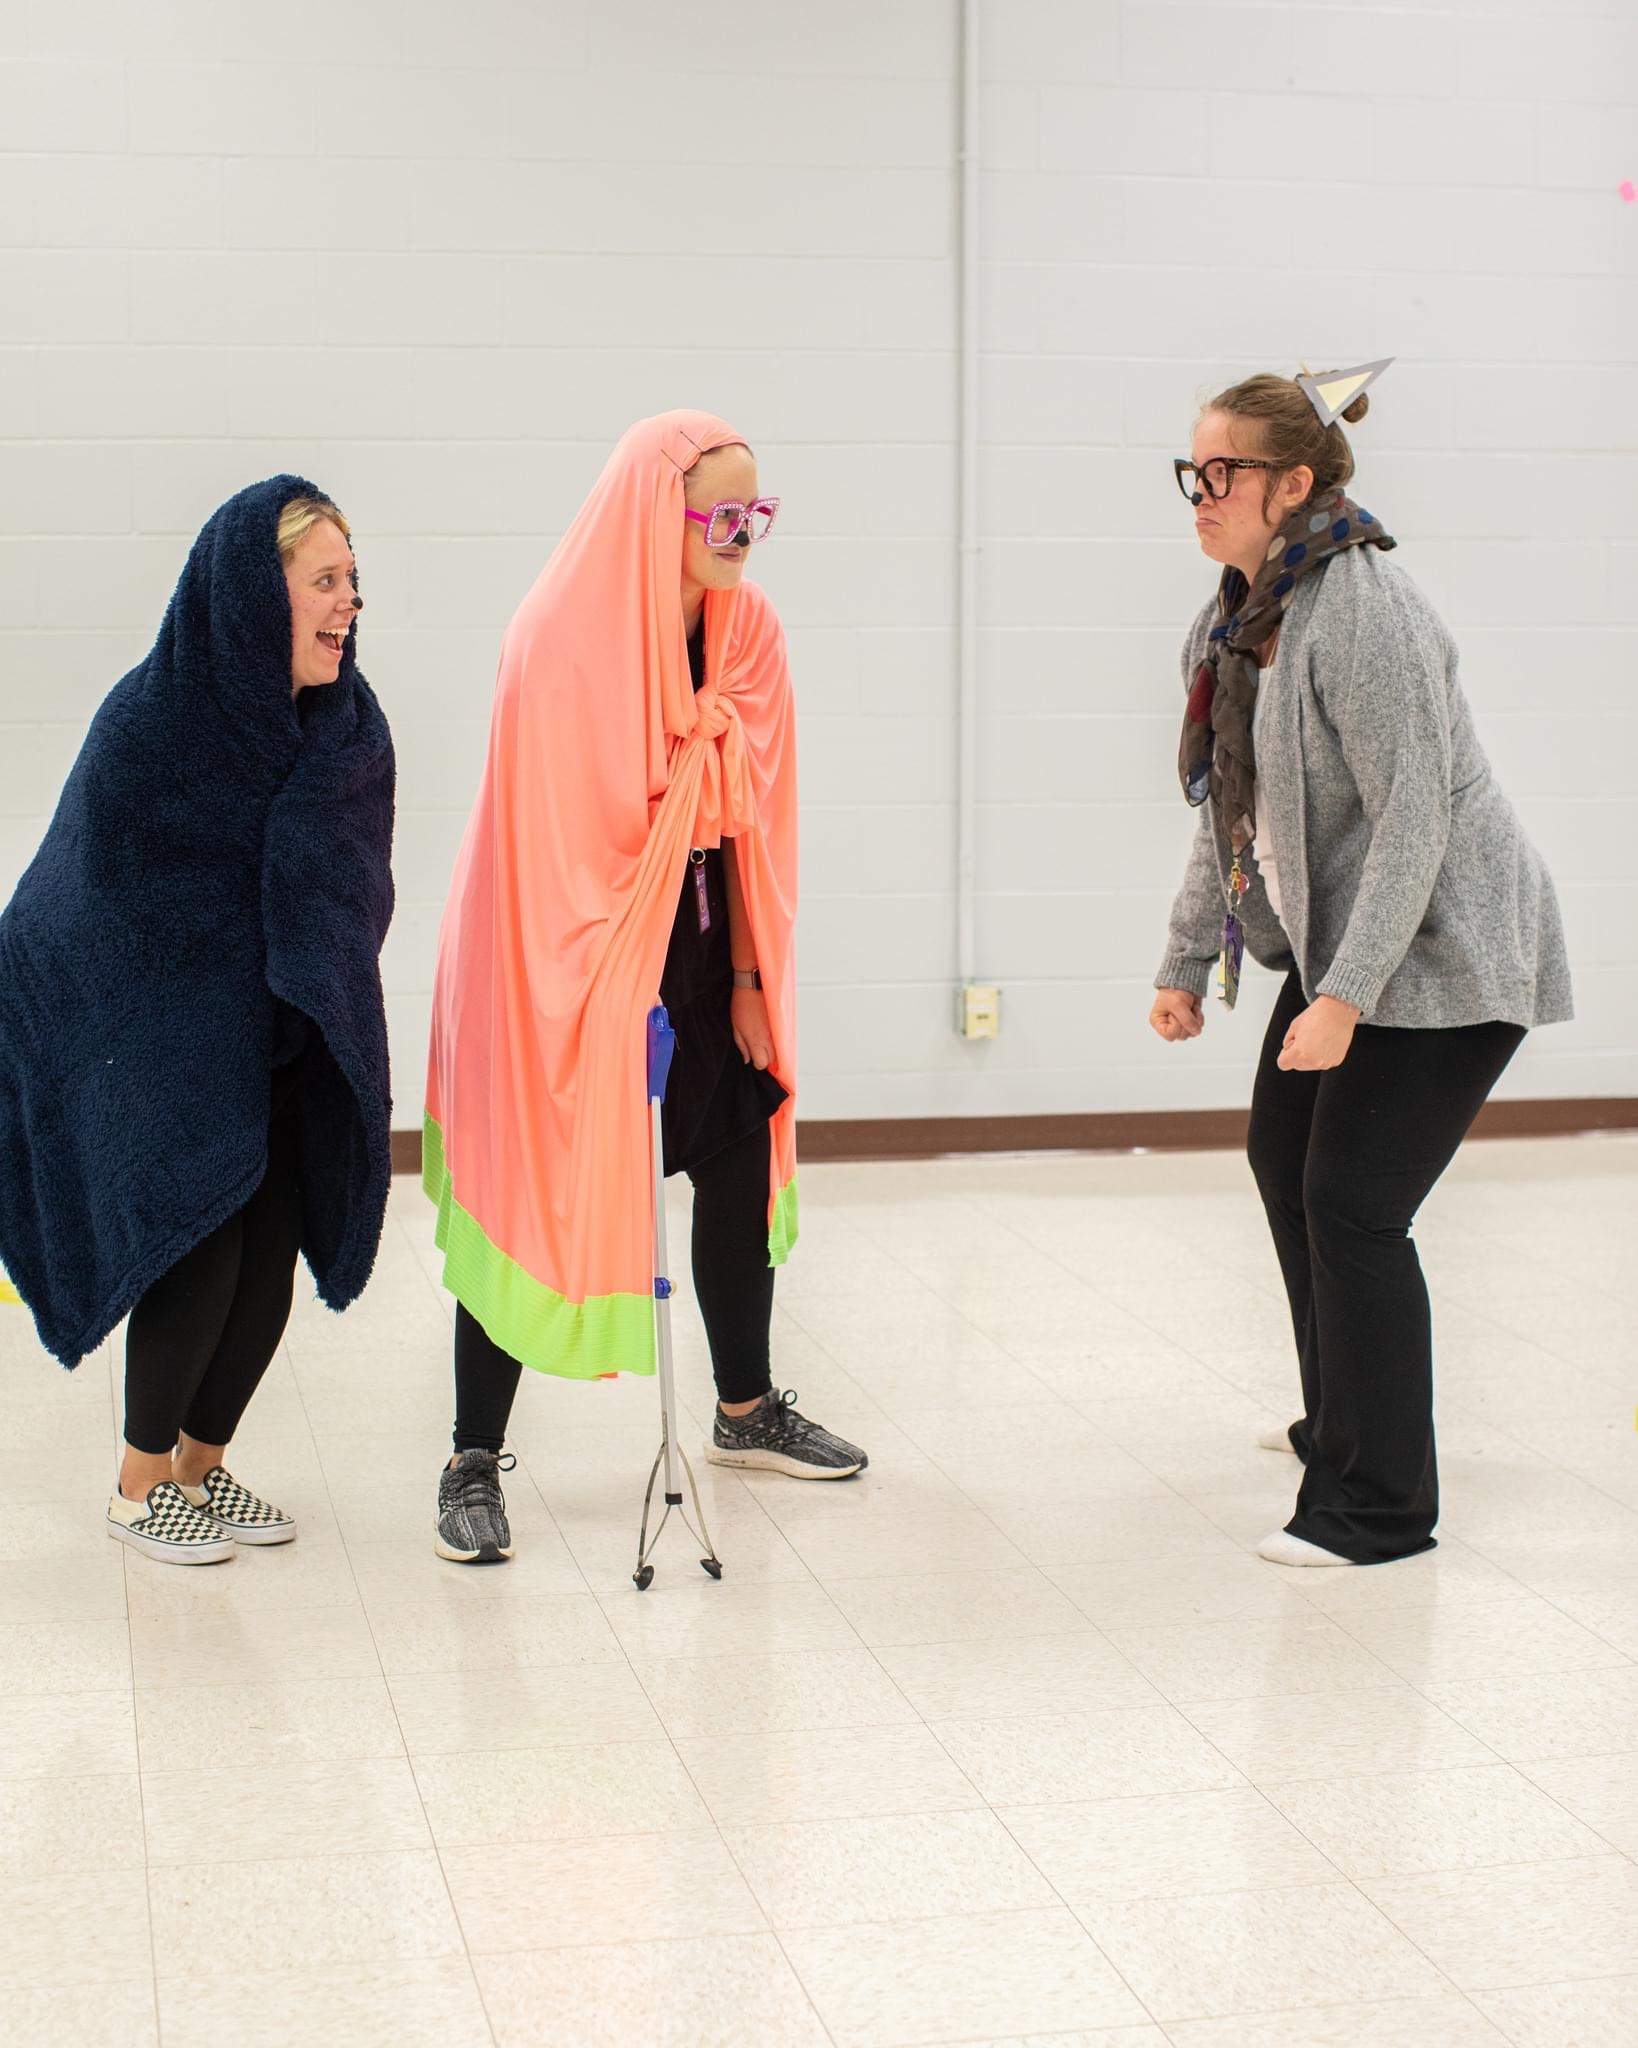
(1354, 413)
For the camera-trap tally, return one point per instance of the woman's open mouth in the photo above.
(334, 638)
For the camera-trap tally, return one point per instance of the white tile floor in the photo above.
(1014, 1740)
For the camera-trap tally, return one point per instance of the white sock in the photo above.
(1283, 1548)
(1275, 1440)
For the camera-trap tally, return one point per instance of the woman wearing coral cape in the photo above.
(634, 838)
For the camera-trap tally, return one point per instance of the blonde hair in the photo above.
(298, 519)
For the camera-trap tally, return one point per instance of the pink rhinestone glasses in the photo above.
(724, 523)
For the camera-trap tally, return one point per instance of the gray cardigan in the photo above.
(1407, 885)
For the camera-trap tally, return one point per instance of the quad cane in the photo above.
(662, 1043)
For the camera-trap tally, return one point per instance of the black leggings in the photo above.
(202, 1336)
(1343, 1160)
(732, 1279)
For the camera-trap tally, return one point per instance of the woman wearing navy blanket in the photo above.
(1352, 836)
(193, 1048)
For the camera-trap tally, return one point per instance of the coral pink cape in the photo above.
(604, 769)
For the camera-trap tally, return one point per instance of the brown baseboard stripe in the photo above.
(940, 1137)
(1159, 1130)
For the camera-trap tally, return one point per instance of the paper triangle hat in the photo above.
(1337, 389)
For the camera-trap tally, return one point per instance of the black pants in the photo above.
(732, 1280)
(202, 1336)
(1343, 1160)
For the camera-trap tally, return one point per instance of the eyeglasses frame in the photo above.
(1231, 462)
(709, 519)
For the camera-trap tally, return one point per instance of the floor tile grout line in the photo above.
(1448, 1870)
(725, 1845)
(939, 1294)
(112, 1422)
(1169, 1491)
(1514, 1436)
(409, 1763)
(974, 1505)
(1154, 1328)
(1349, 1623)
(1623, 1976)
(1522, 1772)
(978, 1507)
(142, 1809)
(670, 1740)
(1357, 1886)
(1325, 1616)
(1479, 1606)
(887, 1677)
(1420, 1687)
(409, 1759)
(987, 1806)
(1269, 1801)
(779, 1942)
(1132, 1990)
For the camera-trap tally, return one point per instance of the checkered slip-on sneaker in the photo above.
(472, 1524)
(242, 1514)
(775, 1438)
(168, 1526)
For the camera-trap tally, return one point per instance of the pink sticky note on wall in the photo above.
(1628, 190)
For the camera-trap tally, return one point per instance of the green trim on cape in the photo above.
(783, 1227)
(587, 1340)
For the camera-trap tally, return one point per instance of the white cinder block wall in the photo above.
(438, 257)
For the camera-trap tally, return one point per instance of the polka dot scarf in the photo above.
(1216, 757)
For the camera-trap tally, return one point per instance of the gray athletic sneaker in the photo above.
(472, 1524)
(774, 1438)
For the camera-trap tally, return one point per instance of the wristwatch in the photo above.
(747, 978)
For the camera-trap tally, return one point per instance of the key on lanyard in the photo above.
(1233, 954)
(701, 895)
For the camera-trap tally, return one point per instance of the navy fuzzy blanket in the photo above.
(215, 847)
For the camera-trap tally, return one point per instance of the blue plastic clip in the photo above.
(662, 1043)
(662, 1290)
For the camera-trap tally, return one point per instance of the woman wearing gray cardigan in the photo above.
(1351, 834)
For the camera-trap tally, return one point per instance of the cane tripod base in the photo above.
(643, 1577)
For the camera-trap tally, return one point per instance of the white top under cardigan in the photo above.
(1263, 845)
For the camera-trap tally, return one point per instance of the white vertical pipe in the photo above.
(662, 1315)
(967, 564)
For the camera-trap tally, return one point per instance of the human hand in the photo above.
(1320, 1037)
(1177, 1015)
(748, 1013)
